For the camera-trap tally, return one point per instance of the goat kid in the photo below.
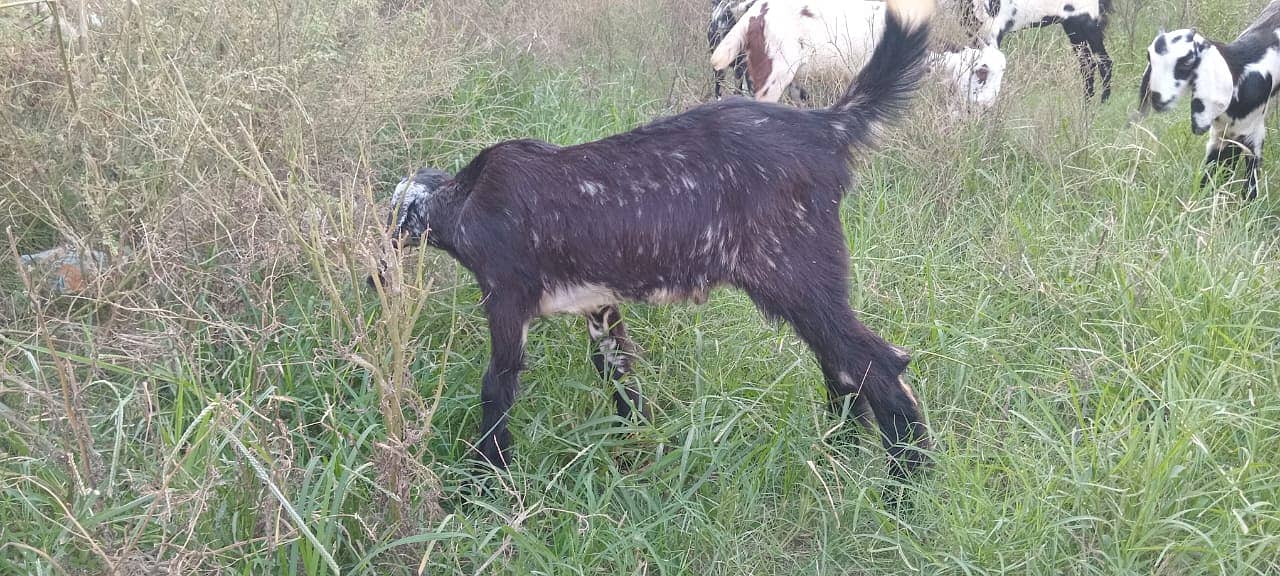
(788, 39)
(1084, 21)
(973, 76)
(734, 192)
(1231, 85)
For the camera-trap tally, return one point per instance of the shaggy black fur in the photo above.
(733, 192)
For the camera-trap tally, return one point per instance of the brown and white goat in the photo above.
(790, 40)
(736, 192)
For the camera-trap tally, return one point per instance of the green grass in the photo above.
(1096, 342)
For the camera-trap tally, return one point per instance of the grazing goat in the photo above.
(972, 75)
(733, 192)
(784, 39)
(1085, 22)
(1231, 85)
(724, 14)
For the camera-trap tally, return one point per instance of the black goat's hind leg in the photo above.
(854, 359)
(612, 353)
(851, 406)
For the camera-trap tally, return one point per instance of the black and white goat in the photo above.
(1085, 22)
(734, 192)
(1231, 85)
(784, 40)
(724, 14)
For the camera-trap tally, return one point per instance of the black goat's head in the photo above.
(410, 213)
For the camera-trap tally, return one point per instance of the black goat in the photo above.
(1231, 85)
(732, 192)
(724, 14)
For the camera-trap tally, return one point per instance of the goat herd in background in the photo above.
(747, 192)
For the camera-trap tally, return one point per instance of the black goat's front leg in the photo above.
(612, 353)
(508, 327)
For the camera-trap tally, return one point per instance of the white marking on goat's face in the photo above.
(406, 201)
(408, 217)
(576, 299)
(1173, 58)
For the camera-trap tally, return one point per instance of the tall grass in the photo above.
(1095, 339)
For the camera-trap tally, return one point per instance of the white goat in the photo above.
(789, 39)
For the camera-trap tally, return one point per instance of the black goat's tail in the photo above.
(883, 89)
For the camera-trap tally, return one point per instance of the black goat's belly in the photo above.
(588, 297)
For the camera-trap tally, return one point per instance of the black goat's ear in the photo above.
(1144, 93)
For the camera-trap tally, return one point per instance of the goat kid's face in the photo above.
(987, 75)
(975, 73)
(1172, 62)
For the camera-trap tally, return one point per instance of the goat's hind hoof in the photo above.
(491, 459)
